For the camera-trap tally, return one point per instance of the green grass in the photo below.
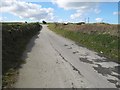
(15, 37)
(101, 43)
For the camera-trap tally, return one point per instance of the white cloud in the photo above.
(2, 18)
(76, 15)
(60, 20)
(97, 11)
(81, 8)
(116, 13)
(26, 10)
(99, 19)
(69, 4)
(84, 0)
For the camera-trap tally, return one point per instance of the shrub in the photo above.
(44, 22)
(15, 37)
(14, 40)
(80, 23)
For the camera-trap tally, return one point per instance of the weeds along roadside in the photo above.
(104, 43)
(15, 37)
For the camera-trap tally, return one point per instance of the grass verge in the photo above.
(104, 44)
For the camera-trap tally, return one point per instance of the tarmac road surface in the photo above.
(53, 61)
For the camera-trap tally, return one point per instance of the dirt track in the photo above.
(56, 62)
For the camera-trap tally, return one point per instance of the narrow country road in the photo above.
(53, 61)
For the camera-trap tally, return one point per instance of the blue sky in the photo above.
(59, 11)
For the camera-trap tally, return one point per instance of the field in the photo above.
(102, 38)
(15, 37)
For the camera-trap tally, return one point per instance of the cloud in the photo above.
(74, 0)
(97, 11)
(69, 4)
(99, 19)
(116, 13)
(2, 18)
(76, 15)
(83, 0)
(27, 10)
(81, 8)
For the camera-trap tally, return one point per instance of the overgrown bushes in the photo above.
(14, 40)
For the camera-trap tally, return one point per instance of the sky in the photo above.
(59, 11)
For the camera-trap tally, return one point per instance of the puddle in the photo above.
(117, 76)
(85, 60)
(65, 45)
(116, 69)
(108, 64)
(115, 82)
(99, 60)
(112, 81)
(103, 70)
(75, 52)
(118, 86)
(109, 71)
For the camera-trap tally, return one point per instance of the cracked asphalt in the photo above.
(53, 61)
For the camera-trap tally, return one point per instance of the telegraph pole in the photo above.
(85, 20)
(88, 19)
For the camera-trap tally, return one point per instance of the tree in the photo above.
(80, 23)
(25, 21)
(44, 22)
